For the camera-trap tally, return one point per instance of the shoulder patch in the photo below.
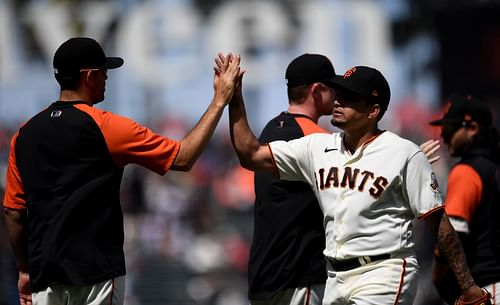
(434, 183)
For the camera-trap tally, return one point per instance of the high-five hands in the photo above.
(220, 60)
(227, 73)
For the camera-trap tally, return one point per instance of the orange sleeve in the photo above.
(308, 126)
(14, 197)
(129, 142)
(464, 192)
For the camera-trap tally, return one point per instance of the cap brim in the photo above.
(303, 81)
(113, 63)
(342, 83)
(436, 123)
(331, 82)
(443, 121)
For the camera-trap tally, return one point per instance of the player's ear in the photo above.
(472, 127)
(85, 76)
(315, 91)
(374, 111)
(315, 88)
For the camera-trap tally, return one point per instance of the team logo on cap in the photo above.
(349, 72)
(375, 92)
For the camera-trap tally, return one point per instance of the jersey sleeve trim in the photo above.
(276, 171)
(14, 197)
(432, 211)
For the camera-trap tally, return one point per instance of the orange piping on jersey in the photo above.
(426, 214)
(493, 292)
(308, 295)
(372, 138)
(308, 126)
(112, 292)
(276, 171)
(401, 282)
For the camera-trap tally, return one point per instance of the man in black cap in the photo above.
(370, 185)
(472, 194)
(61, 205)
(286, 264)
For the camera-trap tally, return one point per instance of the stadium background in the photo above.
(188, 234)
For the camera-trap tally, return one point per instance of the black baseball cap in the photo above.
(465, 109)
(310, 68)
(367, 82)
(82, 53)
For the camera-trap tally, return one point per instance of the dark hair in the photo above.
(382, 104)
(487, 137)
(297, 94)
(69, 82)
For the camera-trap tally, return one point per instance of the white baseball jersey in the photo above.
(368, 198)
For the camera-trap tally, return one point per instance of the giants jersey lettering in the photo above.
(368, 198)
(349, 179)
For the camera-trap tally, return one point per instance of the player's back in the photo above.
(71, 186)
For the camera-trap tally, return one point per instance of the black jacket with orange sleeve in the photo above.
(65, 167)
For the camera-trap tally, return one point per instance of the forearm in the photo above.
(244, 141)
(450, 245)
(15, 223)
(197, 139)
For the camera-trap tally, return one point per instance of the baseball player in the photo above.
(62, 202)
(286, 264)
(472, 194)
(370, 184)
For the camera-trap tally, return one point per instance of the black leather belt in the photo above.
(348, 264)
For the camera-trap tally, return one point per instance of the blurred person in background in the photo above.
(62, 205)
(473, 195)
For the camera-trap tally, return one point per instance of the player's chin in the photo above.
(336, 122)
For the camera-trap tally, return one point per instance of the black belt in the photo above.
(348, 264)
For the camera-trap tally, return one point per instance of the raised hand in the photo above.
(227, 72)
(219, 62)
(196, 140)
